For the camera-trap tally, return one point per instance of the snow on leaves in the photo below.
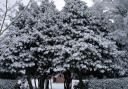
(50, 40)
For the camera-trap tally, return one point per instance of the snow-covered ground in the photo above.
(56, 85)
(61, 85)
(51, 85)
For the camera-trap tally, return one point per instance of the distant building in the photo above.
(59, 78)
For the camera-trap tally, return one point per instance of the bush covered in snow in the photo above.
(121, 83)
(8, 84)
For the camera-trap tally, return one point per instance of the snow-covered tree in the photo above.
(43, 41)
(86, 45)
(7, 11)
(124, 4)
(115, 13)
(29, 44)
(20, 39)
(48, 51)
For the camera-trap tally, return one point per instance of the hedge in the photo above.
(121, 83)
(8, 84)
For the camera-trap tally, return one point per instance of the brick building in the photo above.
(59, 78)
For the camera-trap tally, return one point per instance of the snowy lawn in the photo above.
(61, 85)
(56, 85)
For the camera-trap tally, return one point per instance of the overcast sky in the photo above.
(59, 3)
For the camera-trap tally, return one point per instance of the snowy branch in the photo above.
(3, 30)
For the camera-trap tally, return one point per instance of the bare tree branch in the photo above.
(3, 30)
(5, 15)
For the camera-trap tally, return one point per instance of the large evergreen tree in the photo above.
(115, 13)
(27, 45)
(20, 39)
(44, 40)
(87, 46)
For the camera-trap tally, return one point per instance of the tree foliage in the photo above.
(43, 40)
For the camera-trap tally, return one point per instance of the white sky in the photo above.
(60, 3)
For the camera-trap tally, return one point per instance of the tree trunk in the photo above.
(41, 82)
(68, 80)
(50, 83)
(81, 84)
(35, 83)
(47, 83)
(65, 85)
(29, 82)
